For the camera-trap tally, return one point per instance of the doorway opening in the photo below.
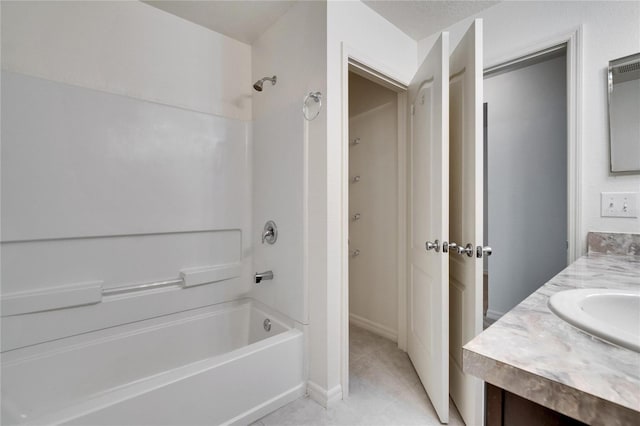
(429, 130)
(526, 218)
(373, 207)
(379, 367)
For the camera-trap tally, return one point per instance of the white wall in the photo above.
(293, 49)
(125, 157)
(365, 95)
(373, 278)
(390, 50)
(610, 30)
(128, 48)
(527, 180)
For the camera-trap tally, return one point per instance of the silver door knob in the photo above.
(480, 251)
(356, 216)
(355, 253)
(468, 250)
(356, 179)
(449, 246)
(433, 246)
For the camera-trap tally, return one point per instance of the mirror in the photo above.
(624, 114)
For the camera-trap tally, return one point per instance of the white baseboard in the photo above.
(374, 327)
(324, 397)
(494, 315)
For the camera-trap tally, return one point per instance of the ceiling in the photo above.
(419, 19)
(239, 19)
(246, 20)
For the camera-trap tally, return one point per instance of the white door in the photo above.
(428, 305)
(465, 219)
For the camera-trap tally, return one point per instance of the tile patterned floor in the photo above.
(384, 390)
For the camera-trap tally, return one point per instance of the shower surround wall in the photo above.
(293, 50)
(125, 159)
(288, 170)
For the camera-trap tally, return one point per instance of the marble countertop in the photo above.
(533, 353)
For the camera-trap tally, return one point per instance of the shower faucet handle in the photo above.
(267, 234)
(270, 233)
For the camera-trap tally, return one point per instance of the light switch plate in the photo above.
(619, 204)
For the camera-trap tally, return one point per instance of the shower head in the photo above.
(258, 84)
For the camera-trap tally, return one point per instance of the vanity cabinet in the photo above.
(504, 408)
(543, 370)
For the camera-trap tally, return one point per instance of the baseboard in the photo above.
(494, 315)
(374, 327)
(269, 406)
(326, 398)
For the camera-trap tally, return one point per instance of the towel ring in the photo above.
(310, 110)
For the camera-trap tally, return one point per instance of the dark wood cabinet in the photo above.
(504, 408)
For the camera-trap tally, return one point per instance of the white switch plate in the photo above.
(619, 204)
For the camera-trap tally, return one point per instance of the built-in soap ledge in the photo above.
(89, 293)
(68, 296)
(210, 274)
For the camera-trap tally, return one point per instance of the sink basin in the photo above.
(611, 315)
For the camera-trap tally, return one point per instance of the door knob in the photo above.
(483, 250)
(433, 245)
(468, 250)
(356, 216)
(449, 246)
(355, 253)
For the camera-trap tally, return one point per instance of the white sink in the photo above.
(611, 315)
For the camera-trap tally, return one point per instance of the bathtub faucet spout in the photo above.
(268, 275)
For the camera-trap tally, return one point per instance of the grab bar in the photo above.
(188, 278)
(90, 293)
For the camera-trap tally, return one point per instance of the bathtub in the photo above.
(213, 365)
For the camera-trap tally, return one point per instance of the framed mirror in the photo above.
(624, 114)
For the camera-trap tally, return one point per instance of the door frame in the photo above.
(573, 42)
(365, 66)
(369, 68)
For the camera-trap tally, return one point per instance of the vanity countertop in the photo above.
(532, 353)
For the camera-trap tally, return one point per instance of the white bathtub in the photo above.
(214, 365)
